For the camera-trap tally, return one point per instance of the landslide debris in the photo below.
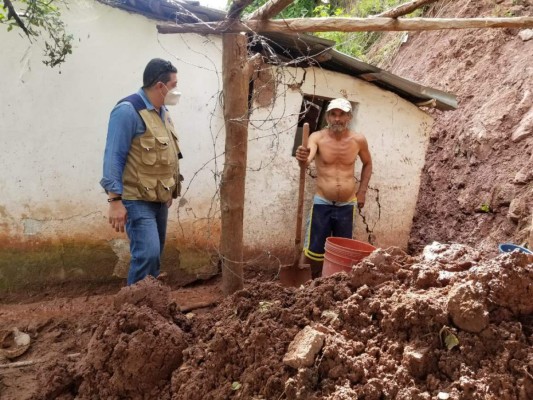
(397, 327)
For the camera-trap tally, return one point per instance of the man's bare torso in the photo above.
(335, 163)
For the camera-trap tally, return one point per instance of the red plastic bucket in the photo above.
(334, 263)
(348, 246)
(342, 253)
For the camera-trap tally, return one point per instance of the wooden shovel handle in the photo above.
(301, 189)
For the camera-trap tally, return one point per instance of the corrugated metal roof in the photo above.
(296, 49)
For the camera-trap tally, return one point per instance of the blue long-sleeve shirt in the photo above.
(124, 124)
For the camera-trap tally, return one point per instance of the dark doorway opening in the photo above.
(312, 111)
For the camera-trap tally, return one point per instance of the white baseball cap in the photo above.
(341, 104)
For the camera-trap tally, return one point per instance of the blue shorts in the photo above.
(327, 218)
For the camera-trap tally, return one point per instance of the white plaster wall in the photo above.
(397, 133)
(53, 122)
(53, 125)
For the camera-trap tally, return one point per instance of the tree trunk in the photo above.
(404, 9)
(339, 24)
(236, 86)
(270, 9)
(236, 8)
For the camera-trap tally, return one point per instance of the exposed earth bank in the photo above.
(477, 184)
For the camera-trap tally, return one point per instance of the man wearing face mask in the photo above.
(335, 150)
(141, 167)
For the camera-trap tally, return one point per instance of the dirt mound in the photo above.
(477, 183)
(385, 330)
(133, 350)
(148, 292)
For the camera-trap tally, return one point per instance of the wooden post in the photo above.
(235, 77)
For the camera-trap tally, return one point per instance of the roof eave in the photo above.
(302, 44)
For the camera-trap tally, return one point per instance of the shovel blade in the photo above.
(294, 275)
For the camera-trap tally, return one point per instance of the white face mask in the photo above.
(172, 97)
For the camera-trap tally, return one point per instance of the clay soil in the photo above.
(397, 327)
(61, 325)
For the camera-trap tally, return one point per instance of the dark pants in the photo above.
(327, 220)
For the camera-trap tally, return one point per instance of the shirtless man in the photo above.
(335, 150)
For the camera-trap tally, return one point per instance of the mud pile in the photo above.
(396, 327)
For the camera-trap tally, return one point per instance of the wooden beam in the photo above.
(208, 28)
(235, 81)
(404, 8)
(339, 24)
(270, 9)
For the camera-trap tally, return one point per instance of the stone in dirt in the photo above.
(304, 348)
(418, 361)
(524, 128)
(467, 307)
(526, 34)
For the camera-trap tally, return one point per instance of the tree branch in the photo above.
(404, 9)
(337, 24)
(236, 8)
(270, 9)
(12, 13)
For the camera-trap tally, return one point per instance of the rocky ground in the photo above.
(449, 322)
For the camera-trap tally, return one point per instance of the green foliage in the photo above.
(485, 207)
(355, 44)
(448, 339)
(264, 306)
(384, 54)
(38, 18)
(298, 8)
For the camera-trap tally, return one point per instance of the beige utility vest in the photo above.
(151, 172)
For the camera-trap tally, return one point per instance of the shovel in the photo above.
(296, 274)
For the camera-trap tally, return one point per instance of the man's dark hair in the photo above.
(157, 70)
